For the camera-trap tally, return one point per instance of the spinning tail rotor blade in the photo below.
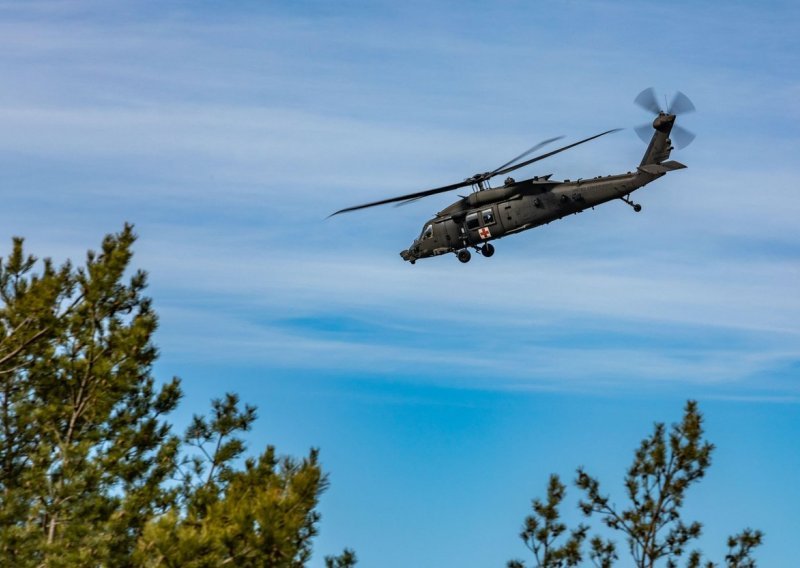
(681, 136)
(680, 104)
(647, 100)
(644, 131)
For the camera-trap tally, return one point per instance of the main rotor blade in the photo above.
(647, 100)
(469, 181)
(680, 104)
(525, 153)
(500, 172)
(408, 197)
(407, 202)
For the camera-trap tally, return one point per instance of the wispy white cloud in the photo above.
(214, 337)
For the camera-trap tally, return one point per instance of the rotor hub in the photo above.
(663, 120)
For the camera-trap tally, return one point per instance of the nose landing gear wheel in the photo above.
(487, 250)
(464, 255)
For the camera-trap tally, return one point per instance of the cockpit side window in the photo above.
(488, 216)
(427, 232)
(472, 221)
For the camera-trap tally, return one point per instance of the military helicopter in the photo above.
(491, 213)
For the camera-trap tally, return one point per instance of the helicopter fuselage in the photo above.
(493, 213)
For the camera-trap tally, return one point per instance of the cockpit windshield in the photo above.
(427, 232)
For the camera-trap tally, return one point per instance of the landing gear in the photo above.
(636, 206)
(486, 250)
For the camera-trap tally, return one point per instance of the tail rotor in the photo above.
(680, 105)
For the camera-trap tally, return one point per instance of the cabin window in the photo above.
(488, 216)
(472, 221)
(427, 232)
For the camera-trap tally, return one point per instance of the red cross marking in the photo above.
(484, 233)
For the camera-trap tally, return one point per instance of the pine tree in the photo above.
(91, 473)
(543, 528)
(30, 320)
(84, 435)
(347, 559)
(261, 515)
(663, 469)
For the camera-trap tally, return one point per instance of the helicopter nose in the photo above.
(411, 253)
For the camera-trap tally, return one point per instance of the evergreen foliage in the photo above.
(664, 467)
(542, 529)
(346, 559)
(91, 473)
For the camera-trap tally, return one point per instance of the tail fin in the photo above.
(660, 145)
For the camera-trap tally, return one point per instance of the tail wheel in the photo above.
(487, 250)
(464, 255)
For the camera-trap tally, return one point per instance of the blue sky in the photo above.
(442, 395)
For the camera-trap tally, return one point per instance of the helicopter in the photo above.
(491, 213)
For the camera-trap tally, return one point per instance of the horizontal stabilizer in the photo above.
(658, 169)
(673, 165)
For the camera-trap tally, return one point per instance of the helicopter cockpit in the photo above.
(427, 232)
